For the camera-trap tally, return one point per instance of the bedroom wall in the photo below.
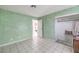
(14, 26)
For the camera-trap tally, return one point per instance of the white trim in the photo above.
(66, 15)
(9, 43)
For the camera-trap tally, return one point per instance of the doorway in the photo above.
(36, 29)
(64, 32)
(66, 27)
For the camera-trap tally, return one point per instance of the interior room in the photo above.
(39, 29)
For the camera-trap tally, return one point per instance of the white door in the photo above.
(40, 28)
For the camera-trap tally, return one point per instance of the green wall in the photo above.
(14, 26)
(49, 21)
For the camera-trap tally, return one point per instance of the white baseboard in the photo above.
(9, 43)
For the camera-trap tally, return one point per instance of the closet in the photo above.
(67, 30)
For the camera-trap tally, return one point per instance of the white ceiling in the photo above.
(39, 11)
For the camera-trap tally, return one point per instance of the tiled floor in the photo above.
(36, 46)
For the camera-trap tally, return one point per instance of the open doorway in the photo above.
(36, 29)
(66, 28)
(64, 32)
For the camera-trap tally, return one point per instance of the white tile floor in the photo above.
(36, 46)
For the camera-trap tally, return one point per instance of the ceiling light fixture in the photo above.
(33, 6)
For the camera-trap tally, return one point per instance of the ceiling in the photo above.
(39, 11)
